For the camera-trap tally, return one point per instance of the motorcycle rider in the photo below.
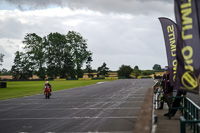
(47, 85)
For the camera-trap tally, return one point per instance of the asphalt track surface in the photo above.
(103, 107)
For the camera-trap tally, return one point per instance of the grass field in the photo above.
(25, 88)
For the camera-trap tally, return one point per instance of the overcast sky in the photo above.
(117, 31)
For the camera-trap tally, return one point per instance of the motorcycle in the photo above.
(47, 92)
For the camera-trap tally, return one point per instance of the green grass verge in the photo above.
(25, 88)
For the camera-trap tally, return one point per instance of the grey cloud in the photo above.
(8, 48)
(114, 6)
(11, 45)
(4, 52)
(11, 28)
(35, 4)
(20, 7)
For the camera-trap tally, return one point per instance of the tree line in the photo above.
(52, 55)
(128, 72)
(124, 71)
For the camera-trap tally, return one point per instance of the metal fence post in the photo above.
(182, 123)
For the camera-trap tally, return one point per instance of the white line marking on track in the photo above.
(133, 82)
(100, 82)
(67, 118)
(90, 132)
(77, 109)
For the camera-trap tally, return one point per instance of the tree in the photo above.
(147, 72)
(57, 54)
(41, 73)
(68, 66)
(157, 67)
(88, 67)
(136, 71)
(4, 71)
(35, 50)
(125, 71)
(103, 70)
(22, 68)
(1, 59)
(16, 68)
(79, 50)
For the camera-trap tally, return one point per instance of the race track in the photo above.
(104, 107)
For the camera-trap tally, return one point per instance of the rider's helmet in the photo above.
(47, 82)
